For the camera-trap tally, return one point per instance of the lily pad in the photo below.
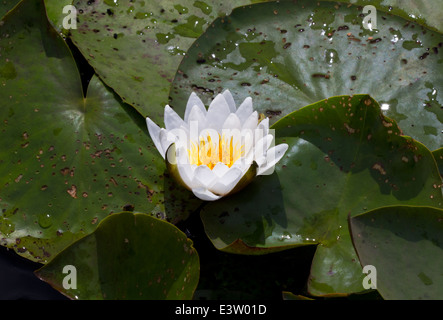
(68, 161)
(136, 46)
(405, 247)
(344, 158)
(6, 6)
(147, 33)
(424, 12)
(287, 55)
(128, 256)
(56, 14)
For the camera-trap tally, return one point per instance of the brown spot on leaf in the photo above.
(114, 182)
(349, 129)
(379, 168)
(73, 191)
(386, 124)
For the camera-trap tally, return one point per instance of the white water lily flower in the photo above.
(218, 151)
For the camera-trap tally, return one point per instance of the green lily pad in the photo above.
(147, 33)
(136, 46)
(405, 247)
(54, 9)
(344, 158)
(67, 161)
(6, 6)
(128, 256)
(287, 55)
(424, 12)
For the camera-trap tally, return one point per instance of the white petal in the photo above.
(230, 100)
(186, 173)
(172, 119)
(198, 116)
(193, 100)
(154, 132)
(244, 163)
(272, 157)
(205, 194)
(181, 161)
(251, 122)
(261, 131)
(262, 146)
(220, 169)
(264, 125)
(247, 140)
(166, 139)
(203, 177)
(232, 122)
(217, 113)
(182, 136)
(226, 183)
(261, 161)
(245, 109)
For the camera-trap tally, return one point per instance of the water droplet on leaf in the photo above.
(45, 220)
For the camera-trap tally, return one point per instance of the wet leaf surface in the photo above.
(399, 242)
(288, 55)
(427, 13)
(136, 46)
(68, 161)
(129, 256)
(344, 158)
(57, 14)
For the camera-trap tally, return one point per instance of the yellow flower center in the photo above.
(208, 152)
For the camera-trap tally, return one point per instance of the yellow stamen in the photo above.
(209, 153)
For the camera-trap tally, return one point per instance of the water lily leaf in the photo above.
(287, 55)
(344, 158)
(67, 161)
(119, 38)
(127, 43)
(427, 13)
(136, 46)
(54, 9)
(128, 256)
(6, 6)
(405, 245)
(290, 296)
